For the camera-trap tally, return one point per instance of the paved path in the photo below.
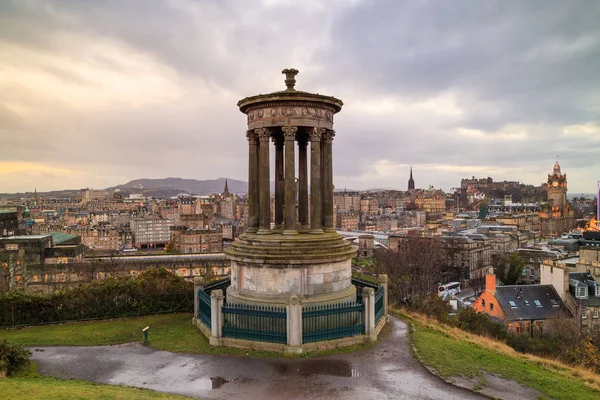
(385, 371)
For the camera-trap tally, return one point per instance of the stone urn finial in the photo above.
(290, 78)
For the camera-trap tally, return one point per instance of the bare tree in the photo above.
(414, 269)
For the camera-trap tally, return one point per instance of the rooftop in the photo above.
(529, 302)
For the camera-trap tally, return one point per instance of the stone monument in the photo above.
(299, 253)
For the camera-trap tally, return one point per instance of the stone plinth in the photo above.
(268, 269)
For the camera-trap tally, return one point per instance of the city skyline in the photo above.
(98, 94)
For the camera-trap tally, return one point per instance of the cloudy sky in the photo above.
(96, 93)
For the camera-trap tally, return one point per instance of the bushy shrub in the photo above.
(480, 324)
(153, 291)
(13, 358)
(430, 305)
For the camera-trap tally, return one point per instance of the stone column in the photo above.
(253, 193)
(369, 313)
(328, 223)
(216, 317)
(383, 281)
(294, 325)
(264, 198)
(279, 183)
(302, 182)
(316, 204)
(198, 285)
(289, 134)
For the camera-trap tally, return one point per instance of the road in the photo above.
(384, 371)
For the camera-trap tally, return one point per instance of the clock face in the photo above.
(555, 184)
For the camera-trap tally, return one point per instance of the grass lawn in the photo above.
(31, 386)
(452, 353)
(169, 332)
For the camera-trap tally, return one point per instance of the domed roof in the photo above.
(556, 170)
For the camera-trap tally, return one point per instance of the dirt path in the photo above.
(385, 371)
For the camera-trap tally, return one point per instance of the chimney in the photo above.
(490, 281)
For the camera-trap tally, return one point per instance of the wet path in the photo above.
(385, 371)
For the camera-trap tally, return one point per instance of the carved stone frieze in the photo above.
(291, 111)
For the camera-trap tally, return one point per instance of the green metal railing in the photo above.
(360, 284)
(332, 321)
(379, 308)
(204, 312)
(222, 284)
(251, 322)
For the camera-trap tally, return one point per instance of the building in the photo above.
(151, 232)
(584, 299)
(556, 216)
(369, 206)
(347, 202)
(9, 223)
(90, 194)
(51, 248)
(347, 220)
(411, 181)
(522, 308)
(195, 240)
(431, 201)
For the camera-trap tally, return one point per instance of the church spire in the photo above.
(411, 181)
(226, 191)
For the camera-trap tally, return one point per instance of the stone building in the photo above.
(347, 202)
(556, 216)
(194, 240)
(347, 220)
(522, 308)
(151, 232)
(369, 206)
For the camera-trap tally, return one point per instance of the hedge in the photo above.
(152, 292)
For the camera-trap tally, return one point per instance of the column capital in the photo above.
(289, 132)
(328, 135)
(316, 134)
(263, 134)
(252, 137)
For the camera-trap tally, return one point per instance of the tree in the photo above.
(508, 268)
(414, 269)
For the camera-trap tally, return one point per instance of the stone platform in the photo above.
(268, 269)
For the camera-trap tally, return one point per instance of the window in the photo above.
(554, 303)
(598, 291)
(526, 302)
(532, 272)
(537, 303)
(492, 306)
(512, 304)
(583, 313)
(581, 292)
(595, 315)
(482, 302)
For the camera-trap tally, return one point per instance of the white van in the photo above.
(449, 288)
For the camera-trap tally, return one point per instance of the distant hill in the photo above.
(178, 185)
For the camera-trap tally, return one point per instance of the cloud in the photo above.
(121, 90)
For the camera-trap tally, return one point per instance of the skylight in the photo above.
(554, 303)
(537, 303)
(512, 304)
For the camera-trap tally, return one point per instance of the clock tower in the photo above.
(557, 187)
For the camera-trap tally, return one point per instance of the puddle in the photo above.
(317, 367)
(218, 381)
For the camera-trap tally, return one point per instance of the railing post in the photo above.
(216, 317)
(294, 325)
(369, 313)
(198, 284)
(383, 281)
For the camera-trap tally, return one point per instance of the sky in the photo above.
(97, 93)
